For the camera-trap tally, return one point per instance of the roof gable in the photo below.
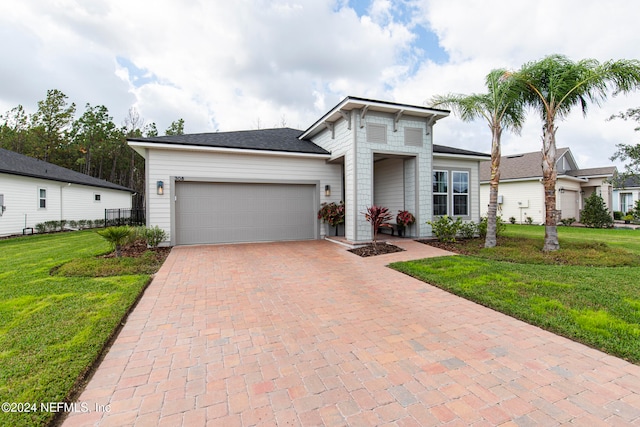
(13, 163)
(280, 139)
(529, 165)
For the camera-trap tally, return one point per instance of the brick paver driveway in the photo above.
(305, 333)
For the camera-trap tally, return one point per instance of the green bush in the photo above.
(617, 215)
(82, 224)
(567, 221)
(468, 230)
(595, 214)
(153, 236)
(482, 226)
(41, 228)
(446, 228)
(636, 210)
(512, 219)
(73, 223)
(528, 220)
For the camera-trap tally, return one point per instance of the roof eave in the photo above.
(140, 145)
(353, 103)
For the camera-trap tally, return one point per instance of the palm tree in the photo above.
(502, 108)
(553, 86)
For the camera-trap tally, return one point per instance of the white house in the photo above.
(521, 193)
(33, 191)
(269, 184)
(626, 194)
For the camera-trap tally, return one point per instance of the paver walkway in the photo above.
(305, 333)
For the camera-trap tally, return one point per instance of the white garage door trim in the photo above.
(287, 210)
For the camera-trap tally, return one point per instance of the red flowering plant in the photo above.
(405, 218)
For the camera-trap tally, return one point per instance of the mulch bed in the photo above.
(379, 249)
(451, 247)
(137, 249)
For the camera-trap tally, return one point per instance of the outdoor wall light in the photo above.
(160, 188)
(327, 190)
(561, 190)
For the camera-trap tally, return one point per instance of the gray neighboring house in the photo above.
(266, 185)
(33, 191)
(521, 193)
(626, 194)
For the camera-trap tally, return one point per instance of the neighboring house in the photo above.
(33, 191)
(269, 184)
(521, 193)
(626, 195)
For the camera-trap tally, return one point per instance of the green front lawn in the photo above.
(53, 327)
(588, 291)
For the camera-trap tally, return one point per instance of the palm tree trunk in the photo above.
(549, 176)
(491, 239)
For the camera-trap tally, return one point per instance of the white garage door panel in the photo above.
(239, 212)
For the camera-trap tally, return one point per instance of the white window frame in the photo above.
(455, 194)
(445, 193)
(624, 197)
(450, 192)
(42, 199)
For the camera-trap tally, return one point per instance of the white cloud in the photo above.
(229, 65)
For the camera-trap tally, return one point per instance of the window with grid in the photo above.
(42, 198)
(460, 193)
(440, 192)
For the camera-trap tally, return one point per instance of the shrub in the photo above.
(61, 224)
(89, 223)
(332, 213)
(512, 219)
(378, 217)
(482, 226)
(41, 228)
(446, 228)
(617, 215)
(567, 221)
(73, 223)
(98, 223)
(528, 220)
(82, 224)
(153, 236)
(117, 237)
(468, 230)
(595, 214)
(636, 210)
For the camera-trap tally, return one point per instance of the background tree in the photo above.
(502, 108)
(53, 118)
(629, 153)
(554, 86)
(176, 128)
(14, 131)
(94, 135)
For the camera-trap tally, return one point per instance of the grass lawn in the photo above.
(53, 327)
(588, 291)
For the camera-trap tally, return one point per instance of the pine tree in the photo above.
(595, 214)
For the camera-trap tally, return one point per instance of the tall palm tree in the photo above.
(502, 108)
(555, 85)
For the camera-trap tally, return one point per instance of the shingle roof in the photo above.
(281, 139)
(518, 166)
(603, 171)
(18, 164)
(443, 149)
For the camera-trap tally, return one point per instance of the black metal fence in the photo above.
(116, 217)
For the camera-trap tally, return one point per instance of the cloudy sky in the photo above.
(248, 64)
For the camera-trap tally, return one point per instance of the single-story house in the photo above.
(268, 184)
(33, 191)
(521, 193)
(626, 194)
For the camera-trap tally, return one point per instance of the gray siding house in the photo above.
(266, 185)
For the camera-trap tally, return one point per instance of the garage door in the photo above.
(239, 212)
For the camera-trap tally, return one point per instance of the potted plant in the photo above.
(627, 218)
(332, 214)
(404, 219)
